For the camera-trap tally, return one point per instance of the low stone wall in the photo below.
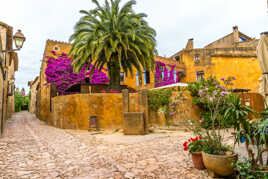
(185, 111)
(73, 111)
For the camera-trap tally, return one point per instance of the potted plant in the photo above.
(217, 156)
(194, 146)
(254, 135)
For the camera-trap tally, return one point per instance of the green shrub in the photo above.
(159, 100)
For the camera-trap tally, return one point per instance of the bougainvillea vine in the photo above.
(165, 77)
(59, 71)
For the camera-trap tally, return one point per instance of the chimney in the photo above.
(190, 44)
(236, 34)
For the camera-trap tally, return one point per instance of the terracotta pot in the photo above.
(198, 160)
(219, 164)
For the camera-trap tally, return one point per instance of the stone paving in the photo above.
(32, 149)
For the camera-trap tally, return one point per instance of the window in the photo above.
(122, 76)
(178, 59)
(168, 73)
(196, 59)
(56, 48)
(137, 79)
(146, 77)
(200, 75)
(242, 39)
(175, 76)
(161, 69)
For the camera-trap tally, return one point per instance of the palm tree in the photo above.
(114, 37)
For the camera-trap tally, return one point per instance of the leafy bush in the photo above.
(208, 94)
(159, 100)
(244, 167)
(214, 147)
(206, 121)
(21, 101)
(210, 84)
(235, 112)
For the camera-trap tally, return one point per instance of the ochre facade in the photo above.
(226, 57)
(33, 91)
(61, 47)
(8, 67)
(74, 111)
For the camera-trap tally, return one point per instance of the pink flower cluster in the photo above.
(22, 93)
(165, 77)
(212, 95)
(59, 71)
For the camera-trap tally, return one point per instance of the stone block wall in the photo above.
(73, 111)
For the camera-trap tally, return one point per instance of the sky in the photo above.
(175, 21)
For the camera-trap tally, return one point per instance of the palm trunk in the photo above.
(114, 75)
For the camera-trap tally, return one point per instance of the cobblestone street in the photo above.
(32, 149)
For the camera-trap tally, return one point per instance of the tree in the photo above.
(114, 37)
(19, 99)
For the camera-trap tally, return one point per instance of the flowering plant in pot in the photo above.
(217, 156)
(194, 146)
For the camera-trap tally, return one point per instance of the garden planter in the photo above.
(219, 164)
(198, 160)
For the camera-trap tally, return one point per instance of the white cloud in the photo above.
(174, 20)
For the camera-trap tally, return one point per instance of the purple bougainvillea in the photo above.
(59, 71)
(164, 77)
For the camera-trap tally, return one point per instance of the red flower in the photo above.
(185, 144)
(185, 148)
(194, 139)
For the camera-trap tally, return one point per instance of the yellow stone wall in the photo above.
(6, 102)
(246, 70)
(73, 111)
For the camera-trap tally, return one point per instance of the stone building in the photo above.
(140, 80)
(33, 91)
(233, 55)
(13, 67)
(8, 67)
